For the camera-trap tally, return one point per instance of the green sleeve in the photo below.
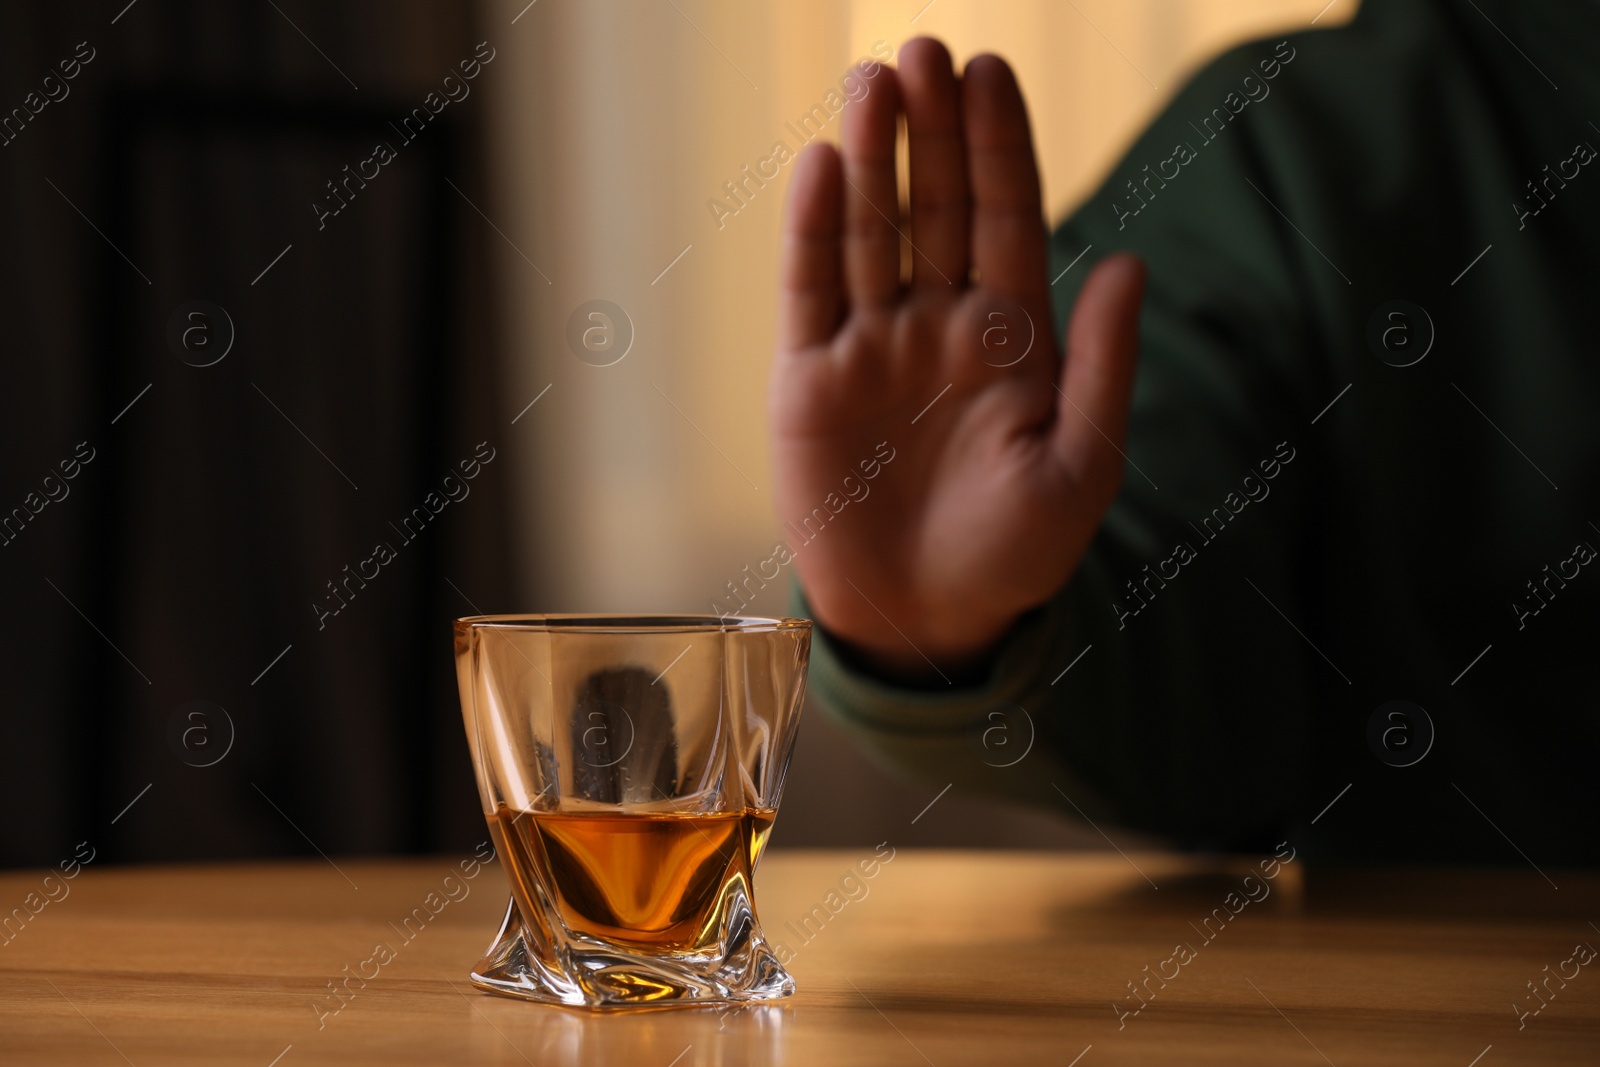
(985, 738)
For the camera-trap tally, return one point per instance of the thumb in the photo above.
(1096, 386)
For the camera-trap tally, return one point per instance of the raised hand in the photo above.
(1002, 466)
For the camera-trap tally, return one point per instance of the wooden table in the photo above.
(946, 958)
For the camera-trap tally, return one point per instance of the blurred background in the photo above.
(283, 282)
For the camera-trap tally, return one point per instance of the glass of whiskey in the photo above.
(630, 768)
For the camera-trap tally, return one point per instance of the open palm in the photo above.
(1004, 456)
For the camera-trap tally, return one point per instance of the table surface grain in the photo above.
(944, 958)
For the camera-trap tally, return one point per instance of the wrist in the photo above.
(924, 659)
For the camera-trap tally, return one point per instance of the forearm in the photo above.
(985, 732)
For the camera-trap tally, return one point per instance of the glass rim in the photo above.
(631, 623)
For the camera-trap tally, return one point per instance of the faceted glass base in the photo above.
(587, 972)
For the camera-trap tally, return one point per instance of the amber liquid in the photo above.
(650, 880)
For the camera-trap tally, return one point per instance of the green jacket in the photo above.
(1309, 529)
